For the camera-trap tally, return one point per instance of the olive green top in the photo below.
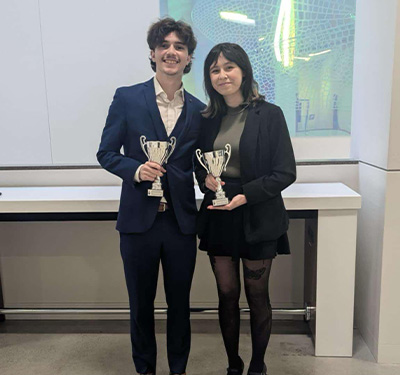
(232, 125)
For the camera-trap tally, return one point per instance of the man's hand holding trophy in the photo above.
(157, 152)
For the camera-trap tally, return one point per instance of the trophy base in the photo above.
(220, 202)
(155, 193)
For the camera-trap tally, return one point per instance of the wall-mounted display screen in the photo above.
(301, 52)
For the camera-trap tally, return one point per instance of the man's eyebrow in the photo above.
(166, 41)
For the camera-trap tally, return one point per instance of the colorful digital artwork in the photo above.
(301, 52)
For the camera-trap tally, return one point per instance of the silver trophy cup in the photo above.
(158, 152)
(215, 163)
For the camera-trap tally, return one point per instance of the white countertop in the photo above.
(299, 196)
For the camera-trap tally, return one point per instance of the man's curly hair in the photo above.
(160, 29)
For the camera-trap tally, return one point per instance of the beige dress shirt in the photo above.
(170, 110)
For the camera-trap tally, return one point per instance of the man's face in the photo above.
(171, 57)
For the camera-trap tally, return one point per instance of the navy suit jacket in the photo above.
(133, 113)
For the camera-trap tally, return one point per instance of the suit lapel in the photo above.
(150, 97)
(248, 143)
(189, 114)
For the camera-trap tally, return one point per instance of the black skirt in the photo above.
(221, 233)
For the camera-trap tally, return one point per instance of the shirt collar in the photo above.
(159, 90)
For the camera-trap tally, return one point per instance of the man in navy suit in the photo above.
(154, 230)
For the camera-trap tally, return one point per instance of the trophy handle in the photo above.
(200, 159)
(143, 143)
(228, 150)
(172, 145)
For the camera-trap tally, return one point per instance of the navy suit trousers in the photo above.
(141, 254)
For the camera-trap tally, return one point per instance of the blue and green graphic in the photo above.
(301, 51)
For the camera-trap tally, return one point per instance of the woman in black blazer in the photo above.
(253, 226)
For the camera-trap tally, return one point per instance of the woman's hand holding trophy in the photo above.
(215, 162)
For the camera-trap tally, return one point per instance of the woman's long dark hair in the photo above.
(232, 52)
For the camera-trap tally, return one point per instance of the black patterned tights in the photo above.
(256, 277)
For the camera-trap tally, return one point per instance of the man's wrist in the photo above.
(136, 177)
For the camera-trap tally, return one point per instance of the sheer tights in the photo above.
(256, 278)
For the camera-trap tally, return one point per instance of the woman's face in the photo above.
(226, 78)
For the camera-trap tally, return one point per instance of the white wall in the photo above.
(24, 126)
(372, 80)
(61, 63)
(389, 341)
(394, 137)
(369, 253)
(376, 142)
